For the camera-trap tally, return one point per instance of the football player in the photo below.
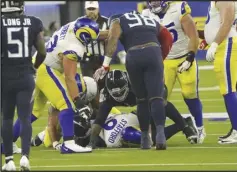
(118, 92)
(55, 78)
(119, 130)
(180, 63)
(221, 34)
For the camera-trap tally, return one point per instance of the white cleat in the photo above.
(201, 134)
(232, 139)
(24, 164)
(69, 147)
(10, 166)
(15, 148)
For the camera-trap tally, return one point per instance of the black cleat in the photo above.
(145, 141)
(160, 146)
(225, 136)
(36, 141)
(190, 131)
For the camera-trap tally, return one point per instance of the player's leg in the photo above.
(135, 71)
(154, 81)
(225, 68)
(54, 88)
(170, 74)
(38, 109)
(188, 81)
(24, 102)
(8, 109)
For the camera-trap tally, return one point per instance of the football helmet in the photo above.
(86, 30)
(12, 6)
(157, 6)
(117, 84)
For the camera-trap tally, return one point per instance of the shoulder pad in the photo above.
(114, 17)
(184, 9)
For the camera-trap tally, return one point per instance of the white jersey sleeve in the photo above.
(113, 127)
(63, 41)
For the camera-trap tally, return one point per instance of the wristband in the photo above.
(190, 56)
(107, 61)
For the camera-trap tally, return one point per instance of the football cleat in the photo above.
(71, 147)
(15, 148)
(225, 136)
(160, 138)
(24, 163)
(231, 139)
(146, 142)
(201, 135)
(10, 166)
(190, 131)
(36, 141)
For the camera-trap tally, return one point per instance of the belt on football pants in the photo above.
(150, 44)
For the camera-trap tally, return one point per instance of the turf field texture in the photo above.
(180, 155)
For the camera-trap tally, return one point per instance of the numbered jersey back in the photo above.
(19, 34)
(137, 30)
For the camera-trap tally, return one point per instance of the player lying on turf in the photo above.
(118, 92)
(119, 130)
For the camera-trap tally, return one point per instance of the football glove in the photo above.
(185, 65)
(57, 145)
(211, 52)
(100, 73)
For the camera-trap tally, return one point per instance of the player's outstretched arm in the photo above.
(227, 13)
(70, 70)
(52, 126)
(111, 46)
(41, 51)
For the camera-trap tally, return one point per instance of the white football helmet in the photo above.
(91, 88)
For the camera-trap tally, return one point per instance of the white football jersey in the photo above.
(171, 21)
(213, 23)
(63, 41)
(113, 127)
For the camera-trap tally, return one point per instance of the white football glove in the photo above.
(185, 65)
(211, 52)
(100, 73)
(57, 145)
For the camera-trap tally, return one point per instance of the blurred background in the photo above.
(54, 14)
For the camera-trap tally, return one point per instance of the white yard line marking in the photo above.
(128, 149)
(203, 100)
(215, 88)
(136, 165)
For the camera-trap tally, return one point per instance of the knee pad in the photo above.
(141, 100)
(131, 136)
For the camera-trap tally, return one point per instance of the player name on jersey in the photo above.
(117, 130)
(16, 22)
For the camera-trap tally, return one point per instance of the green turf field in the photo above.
(180, 155)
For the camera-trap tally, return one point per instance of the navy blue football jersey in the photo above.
(19, 34)
(136, 29)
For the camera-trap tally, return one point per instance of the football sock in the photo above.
(16, 128)
(231, 107)
(66, 123)
(195, 108)
(172, 113)
(171, 130)
(6, 137)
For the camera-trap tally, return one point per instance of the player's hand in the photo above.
(185, 65)
(57, 145)
(211, 52)
(100, 73)
(203, 44)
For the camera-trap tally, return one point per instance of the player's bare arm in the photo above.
(227, 13)
(113, 37)
(41, 51)
(70, 70)
(111, 46)
(52, 124)
(103, 35)
(190, 30)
